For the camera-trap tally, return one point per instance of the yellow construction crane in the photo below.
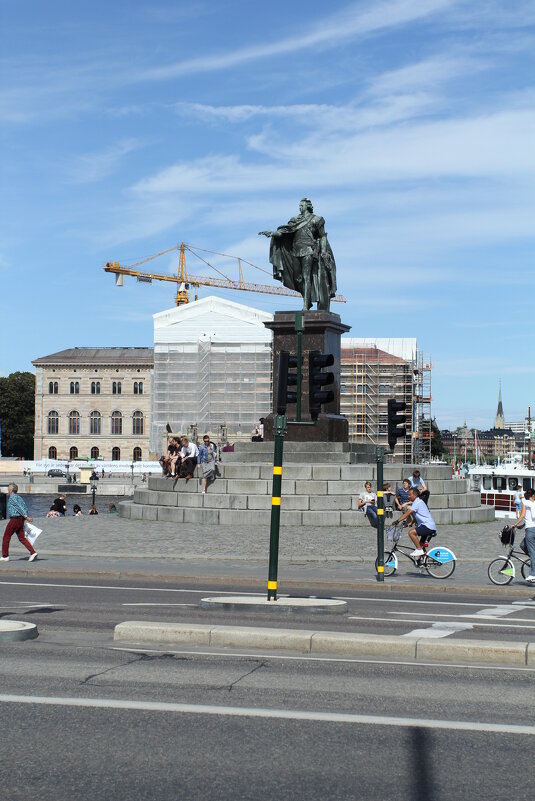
(184, 281)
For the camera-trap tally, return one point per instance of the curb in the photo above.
(16, 630)
(513, 590)
(520, 654)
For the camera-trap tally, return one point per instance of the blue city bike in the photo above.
(439, 562)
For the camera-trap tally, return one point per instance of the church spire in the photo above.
(500, 417)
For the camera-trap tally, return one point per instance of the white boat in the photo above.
(498, 484)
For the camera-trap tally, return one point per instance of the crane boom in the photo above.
(182, 279)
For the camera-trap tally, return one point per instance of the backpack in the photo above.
(507, 536)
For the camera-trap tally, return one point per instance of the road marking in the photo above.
(137, 589)
(142, 604)
(496, 625)
(308, 658)
(476, 616)
(427, 603)
(278, 714)
(438, 630)
(496, 611)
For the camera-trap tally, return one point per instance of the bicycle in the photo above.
(439, 562)
(501, 570)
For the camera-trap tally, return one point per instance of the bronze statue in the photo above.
(302, 257)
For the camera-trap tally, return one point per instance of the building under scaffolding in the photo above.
(212, 370)
(374, 370)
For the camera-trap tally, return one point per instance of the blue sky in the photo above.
(128, 127)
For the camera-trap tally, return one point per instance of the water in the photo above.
(39, 505)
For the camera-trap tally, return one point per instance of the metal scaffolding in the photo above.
(370, 375)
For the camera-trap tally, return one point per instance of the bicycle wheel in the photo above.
(390, 561)
(440, 562)
(501, 571)
(526, 568)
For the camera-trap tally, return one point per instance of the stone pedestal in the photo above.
(322, 331)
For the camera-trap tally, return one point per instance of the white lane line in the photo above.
(405, 601)
(496, 611)
(496, 625)
(136, 589)
(142, 604)
(278, 714)
(476, 616)
(524, 603)
(438, 630)
(308, 658)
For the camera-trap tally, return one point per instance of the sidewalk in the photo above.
(315, 557)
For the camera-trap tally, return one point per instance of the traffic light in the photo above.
(317, 396)
(396, 422)
(285, 380)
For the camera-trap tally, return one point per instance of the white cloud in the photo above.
(350, 23)
(93, 167)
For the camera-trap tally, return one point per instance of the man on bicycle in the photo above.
(425, 527)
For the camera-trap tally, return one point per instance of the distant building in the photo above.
(93, 402)
(212, 370)
(374, 370)
(499, 421)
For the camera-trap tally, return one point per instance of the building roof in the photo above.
(367, 355)
(404, 347)
(212, 319)
(101, 356)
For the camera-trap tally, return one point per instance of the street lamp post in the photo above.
(132, 471)
(93, 491)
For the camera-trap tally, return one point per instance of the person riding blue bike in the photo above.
(425, 527)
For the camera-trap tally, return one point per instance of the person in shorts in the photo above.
(425, 527)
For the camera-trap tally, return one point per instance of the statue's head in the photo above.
(306, 204)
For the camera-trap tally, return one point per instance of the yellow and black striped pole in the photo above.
(380, 453)
(279, 428)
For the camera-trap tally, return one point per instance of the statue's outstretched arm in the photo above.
(268, 233)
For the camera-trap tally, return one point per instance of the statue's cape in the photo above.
(287, 267)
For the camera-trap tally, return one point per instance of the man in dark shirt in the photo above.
(60, 505)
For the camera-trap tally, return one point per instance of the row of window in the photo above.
(74, 388)
(137, 454)
(95, 423)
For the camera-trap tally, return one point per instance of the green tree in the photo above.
(17, 414)
(437, 446)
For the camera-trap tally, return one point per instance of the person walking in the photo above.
(207, 459)
(17, 514)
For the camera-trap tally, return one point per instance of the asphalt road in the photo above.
(82, 717)
(97, 606)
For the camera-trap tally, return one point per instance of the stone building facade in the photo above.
(93, 402)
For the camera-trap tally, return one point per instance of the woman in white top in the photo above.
(528, 514)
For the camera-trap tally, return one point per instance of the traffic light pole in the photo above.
(279, 428)
(380, 455)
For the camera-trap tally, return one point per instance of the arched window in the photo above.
(95, 423)
(75, 387)
(140, 387)
(56, 387)
(116, 423)
(73, 452)
(95, 387)
(53, 423)
(116, 454)
(52, 387)
(94, 453)
(137, 423)
(136, 456)
(98, 388)
(74, 422)
(52, 452)
(135, 387)
(116, 388)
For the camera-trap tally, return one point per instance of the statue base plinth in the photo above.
(329, 428)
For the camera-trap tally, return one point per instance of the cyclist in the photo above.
(425, 527)
(528, 514)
